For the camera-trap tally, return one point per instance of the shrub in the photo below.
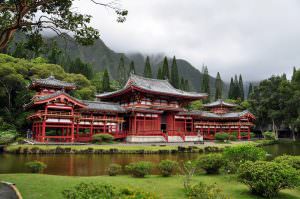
(269, 135)
(293, 161)
(167, 167)
(102, 137)
(267, 178)
(139, 169)
(114, 169)
(7, 137)
(242, 153)
(104, 191)
(36, 166)
(203, 191)
(211, 163)
(237, 155)
(222, 136)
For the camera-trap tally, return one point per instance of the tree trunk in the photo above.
(275, 129)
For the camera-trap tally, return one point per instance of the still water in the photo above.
(96, 164)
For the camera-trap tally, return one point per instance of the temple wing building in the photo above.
(144, 110)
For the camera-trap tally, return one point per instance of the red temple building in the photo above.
(145, 110)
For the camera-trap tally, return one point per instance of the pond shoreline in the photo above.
(128, 148)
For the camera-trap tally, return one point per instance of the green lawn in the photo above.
(38, 186)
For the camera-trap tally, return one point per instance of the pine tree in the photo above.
(218, 84)
(122, 72)
(250, 90)
(294, 74)
(186, 85)
(236, 89)
(205, 82)
(105, 81)
(182, 86)
(230, 92)
(241, 88)
(165, 69)
(131, 67)
(159, 73)
(147, 69)
(174, 74)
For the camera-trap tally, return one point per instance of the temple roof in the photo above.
(102, 106)
(218, 103)
(206, 114)
(45, 98)
(152, 86)
(51, 82)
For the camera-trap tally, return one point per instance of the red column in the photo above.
(239, 132)
(249, 133)
(43, 130)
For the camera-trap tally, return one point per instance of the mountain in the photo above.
(101, 57)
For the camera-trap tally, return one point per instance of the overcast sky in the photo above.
(256, 38)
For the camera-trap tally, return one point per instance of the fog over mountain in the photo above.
(252, 37)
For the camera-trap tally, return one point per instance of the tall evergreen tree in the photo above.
(147, 69)
(131, 67)
(219, 85)
(205, 82)
(159, 74)
(186, 85)
(236, 88)
(230, 89)
(182, 84)
(174, 74)
(122, 72)
(250, 90)
(165, 69)
(241, 87)
(105, 81)
(79, 67)
(294, 73)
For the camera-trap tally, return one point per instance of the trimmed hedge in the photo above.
(167, 167)
(268, 178)
(114, 169)
(139, 169)
(293, 161)
(102, 137)
(211, 163)
(36, 166)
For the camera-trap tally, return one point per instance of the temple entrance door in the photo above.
(163, 124)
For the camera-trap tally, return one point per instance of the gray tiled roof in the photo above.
(206, 114)
(103, 106)
(45, 97)
(154, 85)
(219, 102)
(52, 82)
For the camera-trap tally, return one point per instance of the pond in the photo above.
(96, 164)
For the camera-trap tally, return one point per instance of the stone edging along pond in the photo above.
(112, 150)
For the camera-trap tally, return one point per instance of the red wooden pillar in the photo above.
(239, 132)
(43, 130)
(208, 131)
(249, 133)
(104, 130)
(144, 123)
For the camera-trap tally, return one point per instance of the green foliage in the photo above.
(114, 169)
(102, 137)
(211, 163)
(269, 135)
(205, 86)
(147, 69)
(7, 137)
(131, 67)
(104, 191)
(122, 74)
(241, 88)
(159, 73)
(246, 152)
(204, 191)
(139, 169)
(196, 105)
(219, 86)
(36, 166)
(222, 136)
(293, 161)
(267, 178)
(167, 167)
(106, 82)
(165, 69)
(79, 67)
(174, 74)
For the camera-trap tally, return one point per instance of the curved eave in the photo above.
(100, 110)
(132, 87)
(36, 85)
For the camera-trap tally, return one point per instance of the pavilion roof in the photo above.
(52, 83)
(45, 98)
(154, 86)
(207, 114)
(218, 103)
(102, 106)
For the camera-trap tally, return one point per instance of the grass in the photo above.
(39, 186)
